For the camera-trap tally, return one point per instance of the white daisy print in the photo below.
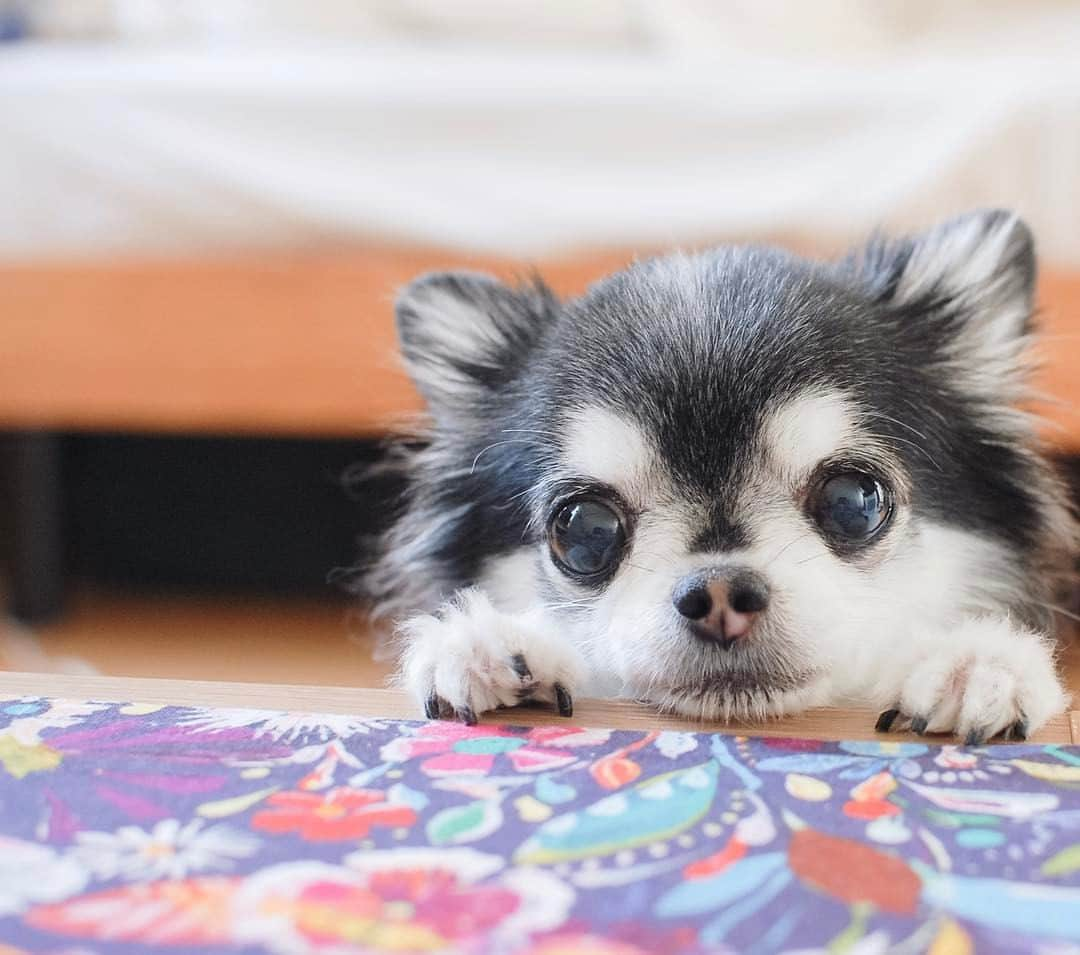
(286, 727)
(168, 851)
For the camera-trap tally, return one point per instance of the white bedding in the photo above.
(531, 150)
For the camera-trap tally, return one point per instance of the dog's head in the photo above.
(735, 472)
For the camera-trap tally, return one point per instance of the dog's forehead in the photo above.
(793, 436)
(700, 363)
(800, 432)
(611, 448)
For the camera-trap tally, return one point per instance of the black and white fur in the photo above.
(706, 390)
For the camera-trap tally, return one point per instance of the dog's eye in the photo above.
(852, 506)
(586, 537)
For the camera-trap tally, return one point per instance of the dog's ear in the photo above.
(466, 333)
(972, 278)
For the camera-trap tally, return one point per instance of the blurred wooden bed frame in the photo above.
(273, 344)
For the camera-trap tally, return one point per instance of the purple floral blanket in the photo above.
(127, 828)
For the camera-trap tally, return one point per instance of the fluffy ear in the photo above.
(464, 333)
(975, 275)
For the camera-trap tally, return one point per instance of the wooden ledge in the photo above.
(825, 724)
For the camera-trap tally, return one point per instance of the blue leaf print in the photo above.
(705, 895)
(808, 764)
(1016, 906)
(863, 769)
(747, 906)
(653, 810)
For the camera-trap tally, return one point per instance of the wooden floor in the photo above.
(201, 638)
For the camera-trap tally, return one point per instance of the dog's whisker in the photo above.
(1054, 608)
(550, 434)
(791, 543)
(569, 604)
(496, 444)
(896, 421)
(911, 444)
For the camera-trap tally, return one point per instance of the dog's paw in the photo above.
(472, 658)
(986, 678)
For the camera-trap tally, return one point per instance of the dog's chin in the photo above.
(738, 705)
(742, 695)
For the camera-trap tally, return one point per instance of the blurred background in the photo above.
(205, 208)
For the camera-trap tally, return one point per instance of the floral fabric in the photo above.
(128, 828)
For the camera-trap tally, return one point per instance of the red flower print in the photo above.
(399, 900)
(405, 910)
(438, 900)
(339, 814)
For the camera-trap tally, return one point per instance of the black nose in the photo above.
(693, 602)
(721, 605)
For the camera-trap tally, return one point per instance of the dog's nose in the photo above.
(721, 606)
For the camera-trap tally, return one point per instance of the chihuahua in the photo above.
(736, 484)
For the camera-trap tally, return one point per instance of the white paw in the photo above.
(984, 678)
(472, 658)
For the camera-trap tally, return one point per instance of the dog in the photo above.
(736, 484)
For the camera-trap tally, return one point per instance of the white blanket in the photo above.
(529, 150)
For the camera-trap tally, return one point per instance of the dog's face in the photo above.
(737, 475)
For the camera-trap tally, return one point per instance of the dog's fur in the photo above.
(705, 393)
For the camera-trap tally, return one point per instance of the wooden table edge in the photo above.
(826, 723)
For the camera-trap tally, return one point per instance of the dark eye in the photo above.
(586, 537)
(852, 507)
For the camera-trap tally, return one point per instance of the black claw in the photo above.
(563, 700)
(885, 721)
(919, 724)
(975, 737)
(467, 716)
(431, 707)
(520, 667)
